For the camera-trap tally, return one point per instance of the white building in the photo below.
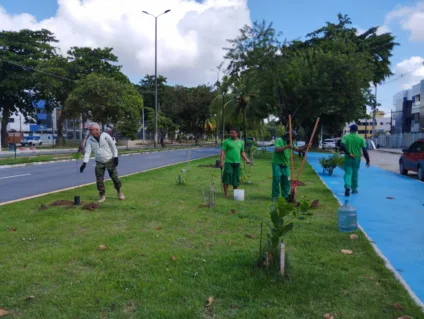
(382, 125)
(409, 110)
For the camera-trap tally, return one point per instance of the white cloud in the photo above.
(383, 29)
(410, 18)
(190, 38)
(409, 72)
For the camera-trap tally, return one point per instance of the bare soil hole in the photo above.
(91, 206)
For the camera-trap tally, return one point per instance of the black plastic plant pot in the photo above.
(77, 200)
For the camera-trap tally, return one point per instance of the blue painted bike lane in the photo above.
(395, 226)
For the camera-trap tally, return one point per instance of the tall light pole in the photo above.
(156, 74)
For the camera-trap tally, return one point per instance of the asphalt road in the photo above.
(20, 182)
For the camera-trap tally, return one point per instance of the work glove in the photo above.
(82, 168)
(115, 161)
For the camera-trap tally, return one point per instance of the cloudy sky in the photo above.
(192, 35)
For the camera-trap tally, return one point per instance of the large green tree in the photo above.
(77, 65)
(106, 100)
(20, 53)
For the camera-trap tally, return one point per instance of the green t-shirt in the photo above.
(281, 158)
(354, 144)
(232, 150)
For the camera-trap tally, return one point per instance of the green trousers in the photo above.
(351, 169)
(100, 176)
(280, 178)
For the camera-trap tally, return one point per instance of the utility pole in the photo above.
(374, 112)
(144, 131)
(391, 122)
(156, 74)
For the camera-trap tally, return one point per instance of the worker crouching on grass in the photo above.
(281, 165)
(106, 156)
(351, 145)
(232, 149)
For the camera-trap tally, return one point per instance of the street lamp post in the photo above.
(156, 74)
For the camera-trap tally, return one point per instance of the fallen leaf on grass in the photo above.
(390, 197)
(354, 236)
(203, 205)
(315, 203)
(158, 228)
(397, 306)
(328, 316)
(347, 252)
(11, 229)
(231, 242)
(3, 312)
(210, 301)
(249, 236)
(102, 247)
(233, 211)
(180, 201)
(233, 306)
(174, 258)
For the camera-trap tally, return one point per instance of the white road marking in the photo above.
(14, 176)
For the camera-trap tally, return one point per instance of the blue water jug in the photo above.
(347, 218)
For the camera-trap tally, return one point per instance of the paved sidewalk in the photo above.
(394, 225)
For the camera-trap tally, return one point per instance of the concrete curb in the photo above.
(388, 151)
(73, 160)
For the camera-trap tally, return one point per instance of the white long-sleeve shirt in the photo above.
(104, 149)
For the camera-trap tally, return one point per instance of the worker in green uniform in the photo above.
(232, 149)
(281, 165)
(351, 145)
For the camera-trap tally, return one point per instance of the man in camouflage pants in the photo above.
(106, 156)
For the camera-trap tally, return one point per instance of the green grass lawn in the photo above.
(165, 256)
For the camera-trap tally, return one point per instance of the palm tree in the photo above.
(235, 104)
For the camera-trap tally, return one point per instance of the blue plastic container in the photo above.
(348, 221)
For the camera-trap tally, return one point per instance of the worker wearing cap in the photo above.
(281, 165)
(351, 145)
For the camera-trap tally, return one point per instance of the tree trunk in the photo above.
(4, 122)
(60, 121)
(245, 126)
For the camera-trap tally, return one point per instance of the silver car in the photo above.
(329, 144)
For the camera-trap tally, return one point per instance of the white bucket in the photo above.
(239, 194)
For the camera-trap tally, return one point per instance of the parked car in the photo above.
(412, 159)
(329, 144)
(31, 141)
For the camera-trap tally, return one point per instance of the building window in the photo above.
(11, 120)
(381, 123)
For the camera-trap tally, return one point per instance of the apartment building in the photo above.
(409, 110)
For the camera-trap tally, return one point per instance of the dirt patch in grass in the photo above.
(91, 206)
(62, 202)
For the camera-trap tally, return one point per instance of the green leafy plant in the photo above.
(182, 178)
(331, 162)
(283, 217)
(77, 156)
